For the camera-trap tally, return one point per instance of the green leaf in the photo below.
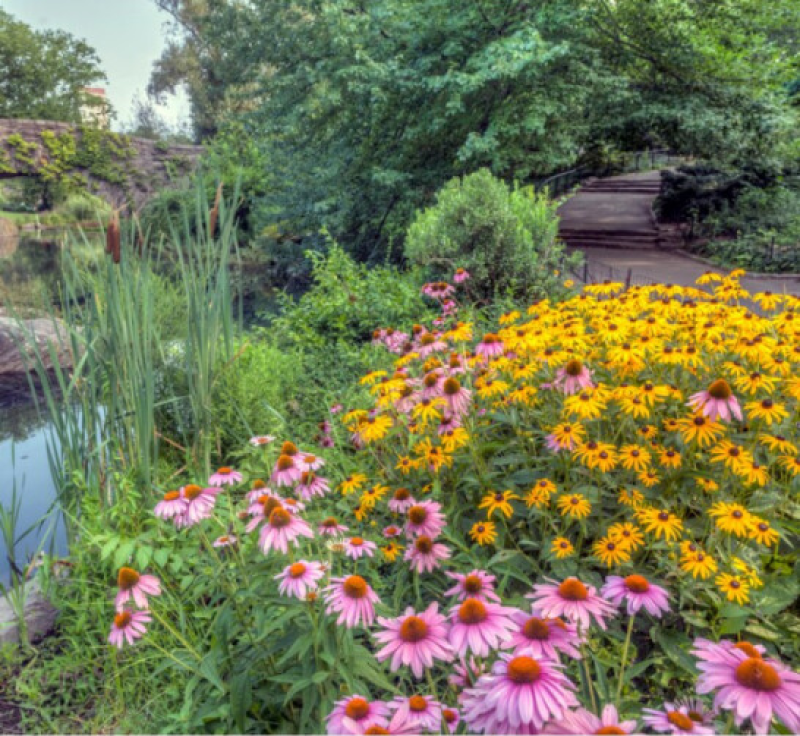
(241, 699)
(675, 646)
(208, 668)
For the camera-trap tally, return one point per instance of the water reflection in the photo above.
(29, 270)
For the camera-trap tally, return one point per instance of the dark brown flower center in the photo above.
(357, 709)
(413, 629)
(472, 611)
(573, 368)
(280, 518)
(417, 514)
(573, 589)
(285, 462)
(756, 674)
(637, 584)
(536, 628)
(473, 584)
(127, 578)
(720, 390)
(424, 544)
(402, 494)
(524, 670)
(288, 448)
(122, 619)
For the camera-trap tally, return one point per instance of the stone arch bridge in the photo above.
(123, 169)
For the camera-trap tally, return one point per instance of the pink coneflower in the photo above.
(519, 696)
(425, 518)
(421, 709)
(429, 343)
(543, 637)
(432, 385)
(261, 508)
(281, 528)
(226, 540)
(697, 710)
(293, 505)
(673, 719)
(638, 592)
(261, 440)
(326, 442)
(399, 725)
(131, 583)
(466, 673)
(451, 718)
(311, 485)
(424, 555)
(712, 648)
(336, 408)
(458, 398)
(299, 578)
(448, 424)
(476, 584)
(573, 600)
(716, 401)
(752, 687)
(490, 347)
(582, 721)
(357, 547)
(199, 504)
(360, 712)
(573, 377)
(225, 476)
(461, 275)
(554, 444)
(330, 527)
(128, 626)
(286, 472)
(173, 504)
(449, 307)
(308, 462)
(401, 501)
(479, 627)
(414, 640)
(353, 599)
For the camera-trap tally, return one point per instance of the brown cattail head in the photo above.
(113, 237)
(213, 216)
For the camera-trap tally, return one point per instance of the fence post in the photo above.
(585, 272)
(628, 279)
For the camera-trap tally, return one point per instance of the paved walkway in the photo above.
(669, 267)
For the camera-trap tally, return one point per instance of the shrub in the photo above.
(84, 206)
(506, 238)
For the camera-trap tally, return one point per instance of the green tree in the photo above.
(43, 73)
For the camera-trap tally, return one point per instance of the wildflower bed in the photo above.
(579, 523)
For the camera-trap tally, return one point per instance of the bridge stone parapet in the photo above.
(123, 169)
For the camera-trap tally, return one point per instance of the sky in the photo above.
(128, 36)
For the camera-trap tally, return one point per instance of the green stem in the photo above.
(624, 659)
(177, 635)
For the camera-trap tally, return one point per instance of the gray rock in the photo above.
(42, 330)
(40, 615)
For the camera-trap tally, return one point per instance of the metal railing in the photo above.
(596, 272)
(623, 163)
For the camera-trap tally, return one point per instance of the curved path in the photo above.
(612, 223)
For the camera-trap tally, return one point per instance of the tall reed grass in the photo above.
(102, 409)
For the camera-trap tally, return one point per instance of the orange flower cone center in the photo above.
(285, 462)
(610, 730)
(452, 386)
(127, 578)
(430, 380)
(524, 670)
(355, 587)
(258, 483)
(720, 390)
(684, 723)
(356, 541)
(288, 448)
(224, 471)
(270, 504)
(357, 709)
(473, 584)
(449, 715)
(417, 703)
(413, 629)
(376, 730)
(573, 589)
(310, 459)
(757, 674)
(402, 494)
(192, 491)
(472, 611)
(280, 518)
(637, 584)
(121, 620)
(172, 496)
(424, 544)
(748, 649)
(417, 514)
(536, 628)
(297, 570)
(329, 523)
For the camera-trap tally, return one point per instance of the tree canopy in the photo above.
(43, 73)
(365, 109)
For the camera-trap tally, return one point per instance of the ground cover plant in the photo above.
(581, 522)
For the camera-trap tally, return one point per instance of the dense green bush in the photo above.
(506, 238)
(82, 206)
